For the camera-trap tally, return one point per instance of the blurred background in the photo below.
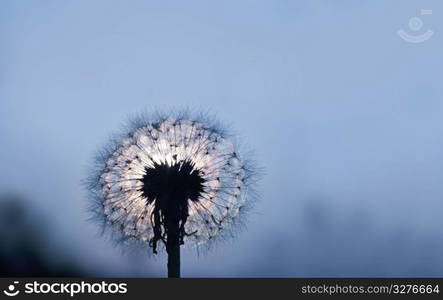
(343, 114)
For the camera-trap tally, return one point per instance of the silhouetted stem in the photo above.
(174, 262)
(173, 248)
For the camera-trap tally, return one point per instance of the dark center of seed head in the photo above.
(171, 186)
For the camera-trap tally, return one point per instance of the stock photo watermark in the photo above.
(67, 288)
(415, 26)
(11, 290)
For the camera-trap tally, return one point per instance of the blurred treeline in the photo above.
(26, 247)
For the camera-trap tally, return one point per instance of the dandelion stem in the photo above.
(173, 247)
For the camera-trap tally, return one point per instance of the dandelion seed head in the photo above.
(172, 162)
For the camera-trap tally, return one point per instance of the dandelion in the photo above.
(172, 180)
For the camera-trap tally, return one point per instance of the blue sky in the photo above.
(342, 113)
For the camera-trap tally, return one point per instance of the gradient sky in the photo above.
(344, 116)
